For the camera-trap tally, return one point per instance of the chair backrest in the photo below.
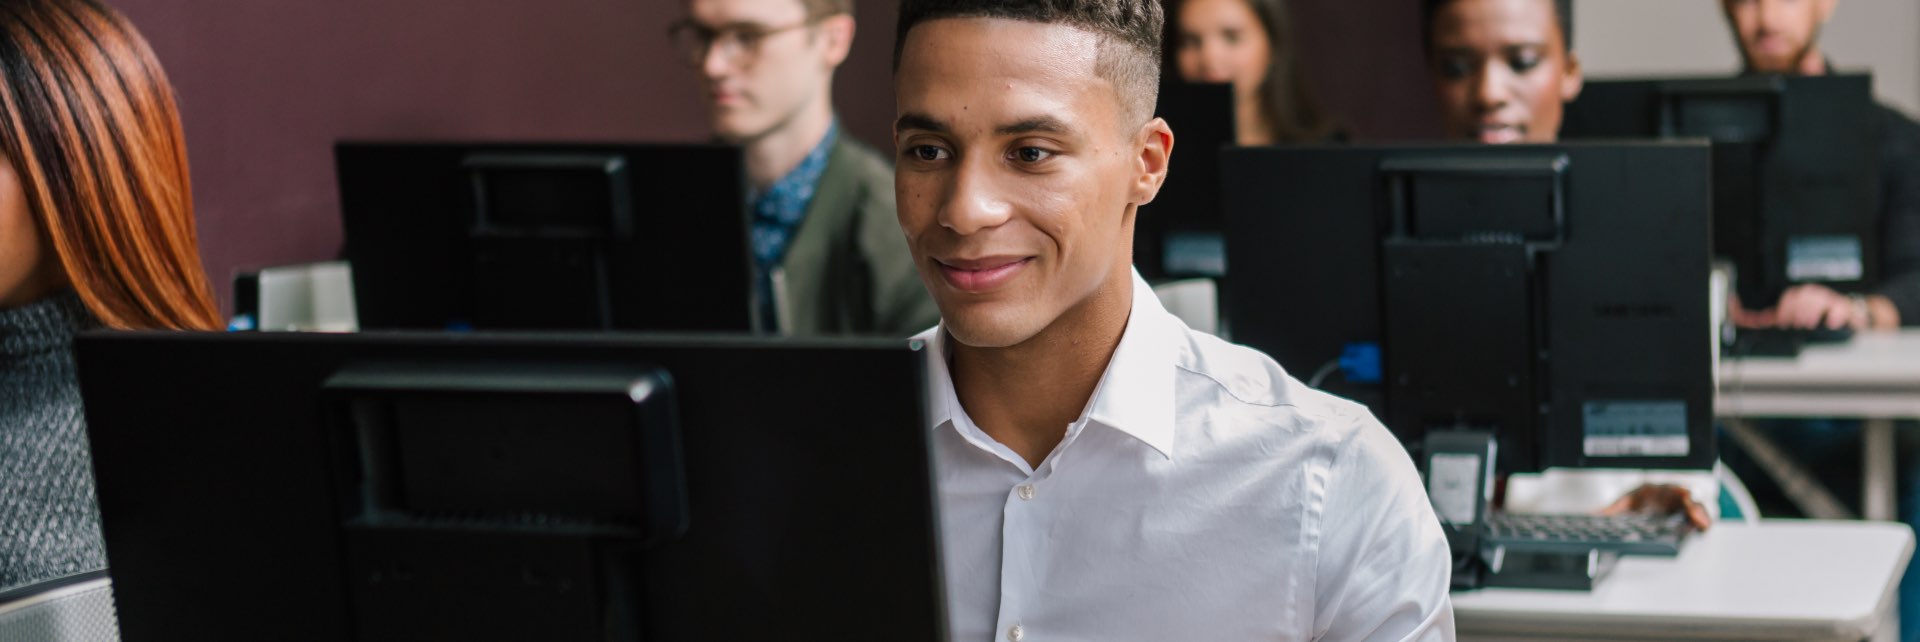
(1195, 301)
(1736, 490)
(77, 608)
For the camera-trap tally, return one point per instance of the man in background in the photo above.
(827, 252)
(1503, 71)
(1783, 37)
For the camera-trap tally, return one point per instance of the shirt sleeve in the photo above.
(1900, 217)
(1384, 568)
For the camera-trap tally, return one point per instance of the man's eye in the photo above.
(1031, 154)
(1455, 67)
(928, 153)
(1523, 63)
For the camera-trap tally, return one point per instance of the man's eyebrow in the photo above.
(737, 25)
(1042, 124)
(1039, 124)
(920, 121)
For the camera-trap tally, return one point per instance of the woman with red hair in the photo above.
(96, 230)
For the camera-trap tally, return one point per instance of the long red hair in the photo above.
(91, 127)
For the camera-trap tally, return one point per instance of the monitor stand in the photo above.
(1558, 570)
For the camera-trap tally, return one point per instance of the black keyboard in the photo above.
(1625, 534)
(1783, 342)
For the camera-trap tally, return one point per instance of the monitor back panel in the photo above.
(808, 489)
(668, 253)
(1796, 168)
(1623, 298)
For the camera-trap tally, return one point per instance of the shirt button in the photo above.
(1016, 633)
(1025, 491)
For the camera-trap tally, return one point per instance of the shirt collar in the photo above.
(1135, 395)
(798, 184)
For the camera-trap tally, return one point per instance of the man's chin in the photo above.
(735, 130)
(1773, 64)
(986, 329)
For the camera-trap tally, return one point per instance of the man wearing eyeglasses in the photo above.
(826, 243)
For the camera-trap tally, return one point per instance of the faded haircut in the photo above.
(1129, 32)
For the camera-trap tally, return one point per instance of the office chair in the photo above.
(1195, 301)
(76, 608)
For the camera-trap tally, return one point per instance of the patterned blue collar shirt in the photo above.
(777, 213)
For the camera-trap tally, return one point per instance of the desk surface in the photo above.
(1875, 375)
(1870, 359)
(1778, 580)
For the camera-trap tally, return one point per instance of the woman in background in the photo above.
(1249, 43)
(96, 230)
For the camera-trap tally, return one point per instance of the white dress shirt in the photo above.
(1203, 494)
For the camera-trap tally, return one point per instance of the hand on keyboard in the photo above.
(1661, 499)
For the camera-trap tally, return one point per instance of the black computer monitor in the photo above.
(514, 236)
(1796, 168)
(1178, 234)
(474, 486)
(1555, 296)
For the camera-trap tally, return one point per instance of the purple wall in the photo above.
(266, 86)
(1364, 59)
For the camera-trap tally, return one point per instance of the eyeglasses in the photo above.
(740, 44)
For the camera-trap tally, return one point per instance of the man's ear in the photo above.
(1154, 143)
(1572, 81)
(837, 31)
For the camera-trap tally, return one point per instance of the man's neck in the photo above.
(1813, 64)
(1025, 396)
(777, 152)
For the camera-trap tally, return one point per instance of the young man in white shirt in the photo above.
(1104, 472)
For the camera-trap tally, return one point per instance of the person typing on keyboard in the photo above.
(1503, 71)
(1782, 37)
(1631, 511)
(1662, 499)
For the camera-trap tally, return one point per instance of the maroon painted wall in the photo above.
(1364, 58)
(266, 86)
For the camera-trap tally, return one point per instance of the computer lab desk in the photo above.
(1774, 580)
(1874, 377)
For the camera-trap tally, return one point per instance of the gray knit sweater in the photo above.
(49, 523)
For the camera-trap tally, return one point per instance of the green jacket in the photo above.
(848, 270)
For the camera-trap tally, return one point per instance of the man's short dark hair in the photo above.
(1129, 32)
(1562, 11)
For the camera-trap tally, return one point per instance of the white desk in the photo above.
(1777, 580)
(1875, 377)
